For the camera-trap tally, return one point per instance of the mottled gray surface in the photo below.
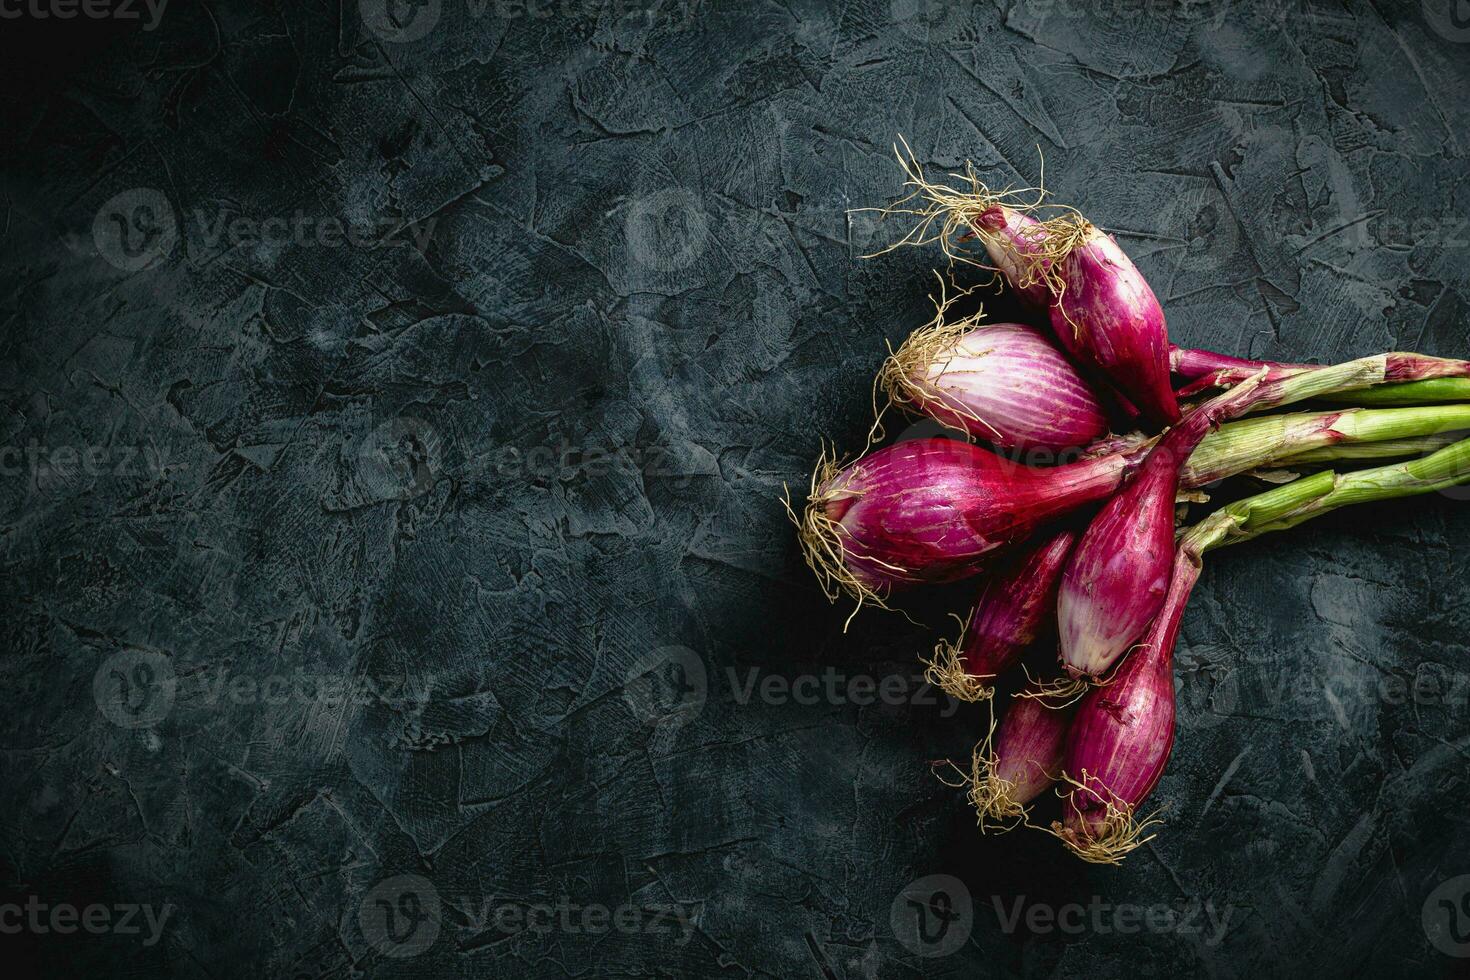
(378, 542)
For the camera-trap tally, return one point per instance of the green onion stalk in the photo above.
(1428, 392)
(1268, 440)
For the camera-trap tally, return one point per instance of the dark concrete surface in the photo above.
(397, 402)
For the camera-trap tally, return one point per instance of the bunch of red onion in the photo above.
(1062, 483)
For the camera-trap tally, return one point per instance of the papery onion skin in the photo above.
(1191, 363)
(931, 510)
(1101, 307)
(1006, 234)
(1003, 383)
(1017, 604)
(1116, 577)
(1120, 740)
(1107, 316)
(1030, 743)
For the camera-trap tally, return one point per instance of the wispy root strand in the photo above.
(950, 215)
(1120, 834)
(908, 377)
(946, 671)
(824, 541)
(1061, 692)
(996, 810)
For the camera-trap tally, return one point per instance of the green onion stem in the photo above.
(1311, 496)
(1407, 393)
(1386, 449)
(1270, 440)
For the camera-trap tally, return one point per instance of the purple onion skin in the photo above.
(1115, 580)
(1399, 366)
(1030, 743)
(1191, 363)
(1124, 731)
(1108, 317)
(1007, 233)
(1007, 385)
(931, 510)
(1018, 603)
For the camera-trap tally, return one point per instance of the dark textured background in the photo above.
(385, 552)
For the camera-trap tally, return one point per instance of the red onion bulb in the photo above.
(931, 510)
(1017, 603)
(1121, 737)
(1019, 759)
(1002, 383)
